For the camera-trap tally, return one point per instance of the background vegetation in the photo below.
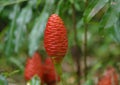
(93, 28)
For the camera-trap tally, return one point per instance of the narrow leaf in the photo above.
(24, 18)
(34, 81)
(111, 16)
(114, 14)
(9, 2)
(116, 35)
(38, 28)
(93, 10)
(9, 38)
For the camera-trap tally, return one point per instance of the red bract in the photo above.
(55, 38)
(110, 77)
(106, 80)
(50, 74)
(33, 67)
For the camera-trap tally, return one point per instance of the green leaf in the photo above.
(38, 2)
(22, 20)
(17, 62)
(9, 38)
(37, 33)
(89, 82)
(13, 72)
(38, 28)
(113, 14)
(71, 1)
(35, 81)
(1, 8)
(59, 6)
(79, 23)
(112, 19)
(9, 74)
(9, 2)
(116, 35)
(3, 80)
(94, 8)
(34, 3)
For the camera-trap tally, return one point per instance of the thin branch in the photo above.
(85, 44)
(74, 23)
(76, 42)
(85, 50)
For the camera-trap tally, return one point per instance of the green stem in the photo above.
(58, 68)
(85, 51)
(76, 43)
(85, 43)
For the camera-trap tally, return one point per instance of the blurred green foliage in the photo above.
(34, 81)
(3, 80)
(22, 24)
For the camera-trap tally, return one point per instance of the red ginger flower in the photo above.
(50, 74)
(33, 67)
(55, 38)
(110, 77)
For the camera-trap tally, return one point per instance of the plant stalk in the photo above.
(58, 68)
(76, 42)
(85, 51)
(85, 44)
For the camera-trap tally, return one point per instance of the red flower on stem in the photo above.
(33, 67)
(55, 38)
